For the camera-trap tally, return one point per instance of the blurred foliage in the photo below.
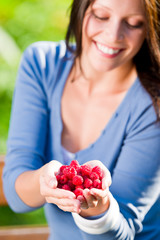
(22, 23)
(9, 218)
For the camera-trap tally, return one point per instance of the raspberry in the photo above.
(94, 176)
(71, 185)
(99, 171)
(62, 168)
(79, 171)
(63, 179)
(66, 187)
(79, 186)
(78, 191)
(59, 185)
(58, 177)
(77, 180)
(86, 170)
(97, 184)
(75, 164)
(69, 172)
(88, 183)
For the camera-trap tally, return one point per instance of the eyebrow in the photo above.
(130, 15)
(101, 5)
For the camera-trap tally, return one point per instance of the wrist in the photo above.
(102, 224)
(101, 208)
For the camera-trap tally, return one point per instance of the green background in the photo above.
(22, 23)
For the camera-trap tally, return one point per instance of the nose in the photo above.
(114, 31)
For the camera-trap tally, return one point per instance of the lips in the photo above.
(107, 50)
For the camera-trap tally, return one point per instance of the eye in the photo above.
(136, 26)
(99, 17)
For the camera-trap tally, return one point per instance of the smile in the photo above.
(107, 50)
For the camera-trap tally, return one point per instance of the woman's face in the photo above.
(113, 32)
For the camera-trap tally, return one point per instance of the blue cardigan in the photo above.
(129, 146)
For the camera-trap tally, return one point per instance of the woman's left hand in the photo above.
(96, 201)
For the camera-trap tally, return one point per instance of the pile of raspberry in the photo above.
(75, 178)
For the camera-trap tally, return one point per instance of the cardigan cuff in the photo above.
(100, 225)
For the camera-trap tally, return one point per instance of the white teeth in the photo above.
(107, 50)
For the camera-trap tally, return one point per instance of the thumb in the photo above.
(53, 182)
(106, 181)
(53, 168)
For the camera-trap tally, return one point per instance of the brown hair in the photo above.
(147, 60)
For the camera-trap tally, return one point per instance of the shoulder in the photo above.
(141, 113)
(46, 51)
(141, 100)
(42, 61)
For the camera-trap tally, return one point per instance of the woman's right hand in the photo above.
(65, 200)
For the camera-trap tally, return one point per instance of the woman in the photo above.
(97, 99)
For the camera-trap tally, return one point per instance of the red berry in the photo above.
(66, 187)
(80, 186)
(62, 168)
(86, 170)
(97, 184)
(99, 171)
(94, 176)
(77, 180)
(69, 172)
(59, 185)
(78, 191)
(75, 164)
(63, 179)
(88, 183)
(58, 177)
(79, 171)
(71, 185)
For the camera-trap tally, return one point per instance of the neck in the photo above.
(116, 80)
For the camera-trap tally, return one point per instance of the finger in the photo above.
(90, 199)
(106, 181)
(70, 209)
(52, 183)
(45, 190)
(63, 202)
(83, 202)
(61, 193)
(56, 193)
(52, 168)
(99, 194)
(49, 181)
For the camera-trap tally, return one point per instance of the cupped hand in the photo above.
(65, 200)
(96, 201)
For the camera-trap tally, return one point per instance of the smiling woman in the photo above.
(149, 52)
(94, 99)
(111, 43)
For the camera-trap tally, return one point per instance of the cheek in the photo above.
(90, 27)
(137, 40)
(94, 28)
